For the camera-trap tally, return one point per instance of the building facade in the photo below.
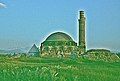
(61, 44)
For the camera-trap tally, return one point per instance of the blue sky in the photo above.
(24, 22)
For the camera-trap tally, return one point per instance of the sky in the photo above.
(25, 22)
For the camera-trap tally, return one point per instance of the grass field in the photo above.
(56, 69)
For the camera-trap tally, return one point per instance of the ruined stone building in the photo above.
(61, 44)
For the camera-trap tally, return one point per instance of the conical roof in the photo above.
(34, 49)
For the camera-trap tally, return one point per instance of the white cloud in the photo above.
(2, 5)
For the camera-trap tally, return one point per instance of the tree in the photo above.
(55, 49)
(62, 51)
(47, 50)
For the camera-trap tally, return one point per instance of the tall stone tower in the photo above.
(82, 45)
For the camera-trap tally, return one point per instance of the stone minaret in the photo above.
(82, 44)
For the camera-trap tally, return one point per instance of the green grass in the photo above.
(56, 69)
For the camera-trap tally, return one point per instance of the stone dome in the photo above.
(59, 36)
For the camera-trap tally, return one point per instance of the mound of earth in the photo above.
(102, 56)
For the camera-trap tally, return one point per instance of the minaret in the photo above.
(82, 44)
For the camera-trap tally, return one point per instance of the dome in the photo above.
(59, 36)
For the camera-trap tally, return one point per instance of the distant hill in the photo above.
(20, 50)
(3, 51)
